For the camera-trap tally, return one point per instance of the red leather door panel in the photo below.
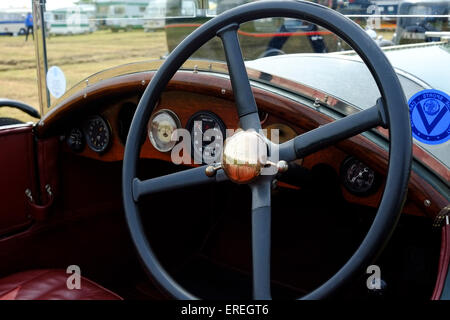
(16, 175)
(444, 262)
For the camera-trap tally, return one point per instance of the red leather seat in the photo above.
(50, 285)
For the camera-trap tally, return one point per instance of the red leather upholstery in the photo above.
(17, 175)
(50, 285)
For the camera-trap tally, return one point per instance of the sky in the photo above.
(51, 4)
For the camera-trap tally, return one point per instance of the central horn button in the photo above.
(244, 155)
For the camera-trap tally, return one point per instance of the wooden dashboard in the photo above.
(188, 93)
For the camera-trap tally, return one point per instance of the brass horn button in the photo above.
(244, 155)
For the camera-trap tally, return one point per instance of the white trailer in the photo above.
(124, 14)
(91, 11)
(155, 15)
(67, 21)
(12, 21)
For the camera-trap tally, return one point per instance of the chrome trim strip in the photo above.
(41, 54)
(18, 125)
(399, 47)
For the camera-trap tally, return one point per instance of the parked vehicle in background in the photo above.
(155, 14)
(384, 7)
(354, 6)
(91, 12)
(12, 21)
(412, 29)
(67, 21)
(121, 15)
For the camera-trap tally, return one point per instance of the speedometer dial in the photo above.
(97, 133)
(207, 135)
(160, 128)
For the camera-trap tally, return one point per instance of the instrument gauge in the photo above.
(98, 133)
(75, 140)
(207, 136)
(160, 128)
(357, 177)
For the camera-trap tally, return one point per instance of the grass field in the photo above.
(78, 56)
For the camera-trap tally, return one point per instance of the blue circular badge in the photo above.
(429, 111)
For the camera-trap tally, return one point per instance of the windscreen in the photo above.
(86, 37)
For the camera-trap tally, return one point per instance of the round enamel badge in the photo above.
(429, 111)
(56, 82)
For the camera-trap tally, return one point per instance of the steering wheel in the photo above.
(390, 111)
(18, 105)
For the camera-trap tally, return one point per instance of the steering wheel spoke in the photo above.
(331, 133)
(189, 177)
(261, 239)
(245, 101)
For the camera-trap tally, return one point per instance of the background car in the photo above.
(413, 29)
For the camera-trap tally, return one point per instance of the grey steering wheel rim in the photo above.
(392, 112)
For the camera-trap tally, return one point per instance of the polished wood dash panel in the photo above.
(188, 93)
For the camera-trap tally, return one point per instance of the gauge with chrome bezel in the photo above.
(208, 133)
(357, 177)
(160, 128)
(98, 133)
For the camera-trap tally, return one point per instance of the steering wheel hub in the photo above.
(244, 156)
